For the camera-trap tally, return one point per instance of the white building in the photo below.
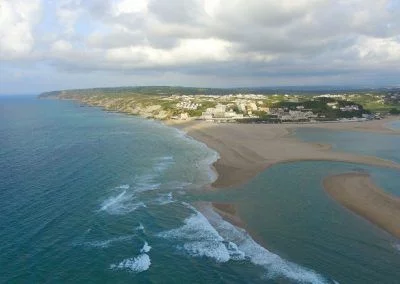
(253, 106)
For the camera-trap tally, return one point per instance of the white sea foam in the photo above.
(396, 246)
(148, 181)
(140, 227)
(123, 203)
(163, 164)
(275, 266)
(201, 239)
(206, 163)
(107, 243)
(124, 186)
(146, 248)
(164, 199)
(145, 182)
(137, 264)
(222, 241)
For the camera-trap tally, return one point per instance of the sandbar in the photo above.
(248, 149)
(357, 192)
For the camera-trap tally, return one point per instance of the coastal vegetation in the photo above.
(241, 104)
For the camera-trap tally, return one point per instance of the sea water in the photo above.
(93, 197)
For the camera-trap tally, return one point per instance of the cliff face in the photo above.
(48, 95)
(149, 106)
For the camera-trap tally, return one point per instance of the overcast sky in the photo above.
(59, 44)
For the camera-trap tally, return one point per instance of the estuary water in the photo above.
(288, 211)
(93, 197)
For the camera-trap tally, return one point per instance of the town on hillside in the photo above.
(186, 104)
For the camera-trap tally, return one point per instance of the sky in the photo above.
(64, 44)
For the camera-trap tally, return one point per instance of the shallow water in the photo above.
(286, 207)
(385, 146)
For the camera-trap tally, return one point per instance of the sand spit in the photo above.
(358, 193)
(248, 149)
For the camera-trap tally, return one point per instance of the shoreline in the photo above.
(245, 150)
(282, 135)
(358, 193)
(249, 162)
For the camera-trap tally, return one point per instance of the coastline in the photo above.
(358, 193)
(245, 150)
(248, 149)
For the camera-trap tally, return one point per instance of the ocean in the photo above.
(88, 196)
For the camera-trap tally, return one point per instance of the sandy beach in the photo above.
(358, 193)
(248, 149)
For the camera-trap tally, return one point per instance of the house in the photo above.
(184, 116)
(332, 105)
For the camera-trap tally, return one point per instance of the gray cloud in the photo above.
(240, 40)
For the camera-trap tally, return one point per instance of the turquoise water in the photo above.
(385, 146)
(286, 207)
(94, 197)
(394, 124)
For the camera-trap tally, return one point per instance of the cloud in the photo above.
(17, 20)
(234, 39)
(68, 12)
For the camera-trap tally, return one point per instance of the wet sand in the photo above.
(248, 149)
(358, 193)
(376, 126)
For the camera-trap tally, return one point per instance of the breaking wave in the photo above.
(164, 199)
(207, 162)
(222, 241)
(163, 164)
(146, 248)
(124, 186)
(136, 264)
(149, 181)
(123, 203)
(201, 239)
(140, 227)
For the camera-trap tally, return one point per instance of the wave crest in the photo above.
(137, 264)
